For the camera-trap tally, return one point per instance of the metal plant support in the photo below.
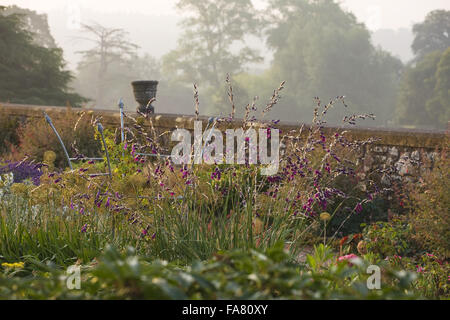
(69, 159)
(49, 121)
(122, 137)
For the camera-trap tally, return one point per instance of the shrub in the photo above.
(390, 238)
(429, 210)
(237, 274)
(9, 137)
(76, 130)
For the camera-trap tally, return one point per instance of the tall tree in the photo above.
(433, 34)
(120, 73)
(111, 45)
(321, 50)
(30, 73)
(423, 98)
(35, 23)
(424, 95)
(213, 42)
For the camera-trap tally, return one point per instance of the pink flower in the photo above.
(348, 257)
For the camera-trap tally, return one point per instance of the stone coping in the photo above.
(431, 139)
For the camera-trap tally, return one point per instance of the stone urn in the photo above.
(144, 91)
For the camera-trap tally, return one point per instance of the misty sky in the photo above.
(376, 13)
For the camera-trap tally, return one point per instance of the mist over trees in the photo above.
(32, 69)
(213, 45)
(318, 48)
(103, 67)
(424, 96)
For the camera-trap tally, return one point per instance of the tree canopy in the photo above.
(213, 45)
(424, 94)
(30, 73)
(321, 50)
(110, 47)
(433, 34)
(423, 99)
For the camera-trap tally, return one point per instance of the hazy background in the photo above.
(154, 25)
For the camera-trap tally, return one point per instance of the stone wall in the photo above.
(409, 152)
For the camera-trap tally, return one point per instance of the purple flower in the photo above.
(23, 170)
(84, 228)
(358, 207)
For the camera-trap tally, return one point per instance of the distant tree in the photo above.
(321, 50)
(213, 43)
(111, 46)
(117, 80)
(30, 73)
(424, 94)
(432, 34)
(439, 106)
(35, 23)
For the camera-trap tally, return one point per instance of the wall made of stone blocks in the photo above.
(410, 153)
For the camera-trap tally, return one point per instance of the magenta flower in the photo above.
(348, 257)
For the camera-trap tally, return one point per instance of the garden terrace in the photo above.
(410, 151)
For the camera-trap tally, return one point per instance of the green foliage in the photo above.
(9, 137)
(30, 73)
(238, 274)
(433, 277)
(76, 131)
(432, 34)
(389, 238)
(35, 23)
(205, 52)
(429, 212)
(423, 97)
(321, 50)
